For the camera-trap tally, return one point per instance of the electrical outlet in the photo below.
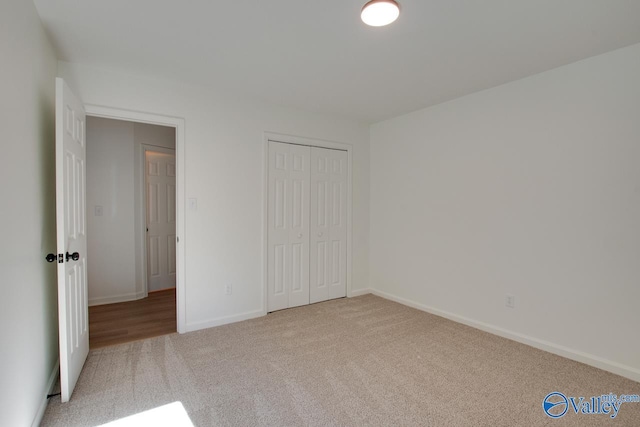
(228, 289)
(510, 301)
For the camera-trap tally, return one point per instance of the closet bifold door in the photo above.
(288, 221)
(328, 252)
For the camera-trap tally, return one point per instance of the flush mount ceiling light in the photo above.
(378, 13)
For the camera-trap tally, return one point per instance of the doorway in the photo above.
(131, 190)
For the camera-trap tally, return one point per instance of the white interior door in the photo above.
(288, 222)
(161, 219)
(73, 308)
(328, 240)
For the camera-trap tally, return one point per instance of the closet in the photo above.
(307, 225)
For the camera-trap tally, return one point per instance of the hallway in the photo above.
(111, 324)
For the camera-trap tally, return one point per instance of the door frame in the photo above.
(144, 207)
(309, 142)
(179, 125)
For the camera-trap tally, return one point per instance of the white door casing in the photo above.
(73, 308)
(288, 222)
(179, 125)
(160, 173)
(328, 241)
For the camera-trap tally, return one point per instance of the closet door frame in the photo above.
(310, 142)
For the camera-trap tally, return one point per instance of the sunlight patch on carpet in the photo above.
(173, 415)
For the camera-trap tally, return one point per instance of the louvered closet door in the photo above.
(288, 221)
(328, 251)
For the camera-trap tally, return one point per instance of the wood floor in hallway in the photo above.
(111, 324)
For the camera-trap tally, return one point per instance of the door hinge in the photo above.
(60, 258)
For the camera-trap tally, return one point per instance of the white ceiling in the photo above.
(318, 56)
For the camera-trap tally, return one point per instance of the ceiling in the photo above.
(319, 56)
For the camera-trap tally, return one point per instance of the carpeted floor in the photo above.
(349, 362)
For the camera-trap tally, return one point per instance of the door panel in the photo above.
(161, 220)
(328, 224)
(171, 244)
(288, 226)
(279, 269)
(321, 263)
(73, 308)
(297, 267)
(153, 204)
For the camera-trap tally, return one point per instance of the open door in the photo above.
(73, 306)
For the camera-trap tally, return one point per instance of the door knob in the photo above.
(51, 257)
(74, 256)
(299, 235)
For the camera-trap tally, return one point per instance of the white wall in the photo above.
(28, 307)
(110, 237)
(114, 176)
(532, 189)
(225, 172)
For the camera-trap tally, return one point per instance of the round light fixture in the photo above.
(378, 13)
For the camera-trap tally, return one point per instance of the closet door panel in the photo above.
(338, 224)
(288, 222)
(299, 178)
(279, 206)
(328, 224)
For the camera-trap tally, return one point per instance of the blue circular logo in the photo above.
(555, 404)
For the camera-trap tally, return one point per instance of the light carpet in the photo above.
(362, 361)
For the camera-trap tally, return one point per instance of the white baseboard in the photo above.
(358, 292)
(196, 326)
(43, 404)
(578, 356)
(116, 298)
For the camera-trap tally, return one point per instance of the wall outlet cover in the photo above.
(510, 301)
